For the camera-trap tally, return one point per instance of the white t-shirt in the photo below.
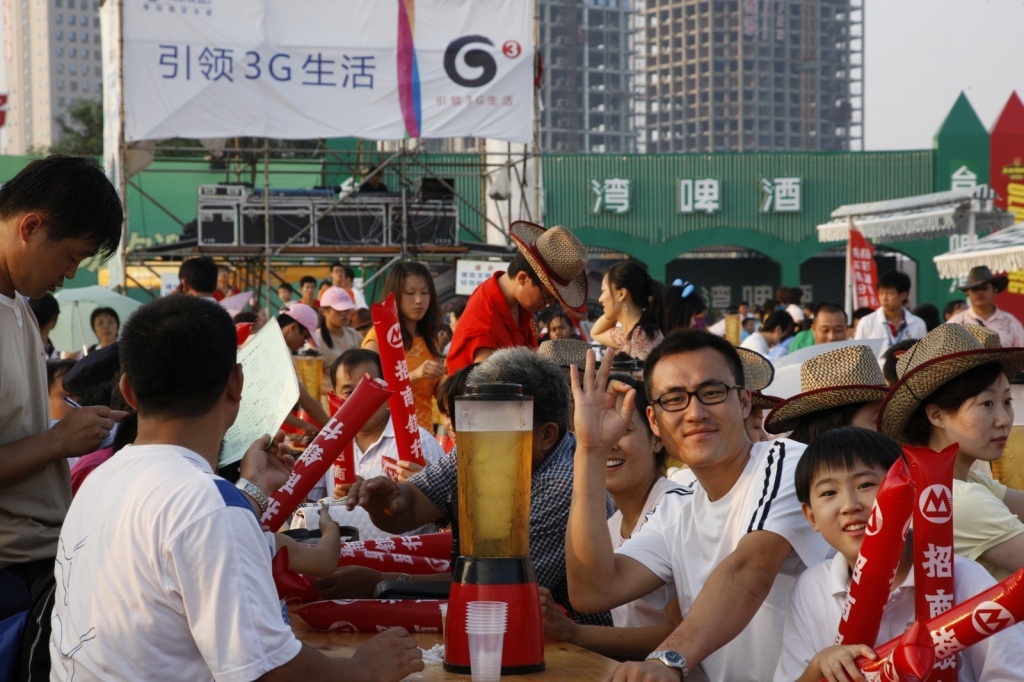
(688, 535)
(171, 577)
(820, 596)
(757, 343)
(641, 613)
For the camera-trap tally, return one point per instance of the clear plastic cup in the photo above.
(444, 615)
(485, 655)
(486, 622)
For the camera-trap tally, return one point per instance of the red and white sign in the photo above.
(863, 271)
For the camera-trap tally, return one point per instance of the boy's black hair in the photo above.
(811, 426)
(894, 279)
(520, 264)
(75, 196)
(891, 356)
(352, 358)
(56, 369)
(45, 308)
(103, 311)
(843, 449)
(286, 285)
(200, 273)
(930, 314)
(688, 340)
(450, 388)
(178, 353)
(779, 318)
(950, 308)
(860, 313)
(308, 280)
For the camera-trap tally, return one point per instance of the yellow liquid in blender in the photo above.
(494, 493)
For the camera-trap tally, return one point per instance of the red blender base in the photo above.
(510, 580)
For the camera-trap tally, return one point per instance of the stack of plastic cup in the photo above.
(485, 625)
(444, 615)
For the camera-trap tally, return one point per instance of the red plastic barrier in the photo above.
(934, 588)
(399, 563)
(434, 545)
(396, 374)
(879, 555)
(324, 450)
(967, 623)
(374, 615)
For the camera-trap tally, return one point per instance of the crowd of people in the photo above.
(682, 518)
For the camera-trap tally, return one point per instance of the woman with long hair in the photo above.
(953, 388)
(682, 307)
(631, 322)
(419, 317)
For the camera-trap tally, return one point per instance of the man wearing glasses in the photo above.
(732, 546)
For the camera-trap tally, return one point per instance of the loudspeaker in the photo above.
(437, 225)
(351, 225)
(434, 189)
(223, 192)
(286, 220)
(217, 224)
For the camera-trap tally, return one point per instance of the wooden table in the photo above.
(564, 661)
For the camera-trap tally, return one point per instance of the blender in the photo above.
(495, 450)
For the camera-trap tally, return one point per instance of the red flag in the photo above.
(863, 271)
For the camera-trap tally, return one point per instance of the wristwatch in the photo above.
(253, 491)
(672, 659)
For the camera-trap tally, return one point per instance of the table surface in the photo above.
(564, 661)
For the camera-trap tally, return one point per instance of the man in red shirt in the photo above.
(549, 267)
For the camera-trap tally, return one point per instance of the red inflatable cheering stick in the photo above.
(345, 464)
(324, 450)
(933, 540)
(880, 552)
(396, 374)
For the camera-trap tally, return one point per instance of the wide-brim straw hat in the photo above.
(942, 355)
(765, 402)
(758, 370)
(980, 275)
(558, 257)
(845, 376)
(988, 338)
(566, 352)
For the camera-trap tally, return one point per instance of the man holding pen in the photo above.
(54, 214)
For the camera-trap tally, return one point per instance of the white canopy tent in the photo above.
(961, 211)
(1000, 251)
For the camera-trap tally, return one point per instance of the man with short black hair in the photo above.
(828, 325)
(776, 329)
(549, 267)
(54, 214)
(892, 322)
(198, 277)
(732, 546)
(164, 569)
(308, 294)
(345, 277)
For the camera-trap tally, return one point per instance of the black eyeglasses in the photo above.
(709, 394)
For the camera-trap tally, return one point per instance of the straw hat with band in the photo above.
(982, 275)
(566, 352)
(558, 257)
(845, 376)
(758, 373)
(945, 353)
(988, 338)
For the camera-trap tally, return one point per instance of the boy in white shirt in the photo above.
(837, 480)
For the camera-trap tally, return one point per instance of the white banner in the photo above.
(300, 69)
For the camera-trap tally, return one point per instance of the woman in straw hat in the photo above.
(954, 388)
(634, 477)
(843, 387)
(631, 323)
(758, 372)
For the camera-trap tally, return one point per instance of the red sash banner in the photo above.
(393, 562)
(345, 464)
(373, 615)
(934, 587)
(434, 545)
(325, 449)
(880, 554)
(396, 374)
(863, 271)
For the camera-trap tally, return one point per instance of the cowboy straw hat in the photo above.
(565, 352)
(980, 275)
(988, 338)
(758, 371)
(942, 355)
(765, 402)
(845, 376)
(557, 256)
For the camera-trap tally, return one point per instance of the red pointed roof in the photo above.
(1011, 120)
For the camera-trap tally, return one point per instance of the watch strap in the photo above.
(671, 659)
(253, 491)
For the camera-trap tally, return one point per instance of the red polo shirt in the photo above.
(487, 323)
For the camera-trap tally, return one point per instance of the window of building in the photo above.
(71, 36)
(72, 69)
(59, 34)
(60, 67)
(60, 84)
(58, 3)
(71, 4)
(85, 87)
(85, 53)
(99, 71)
(61, 101)
(58, 18)
(72, 20)
(72, 51)
(73, 85)
(60, 51)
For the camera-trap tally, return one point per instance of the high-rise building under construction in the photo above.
(751, 75)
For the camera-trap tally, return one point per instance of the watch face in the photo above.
(673, 658)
